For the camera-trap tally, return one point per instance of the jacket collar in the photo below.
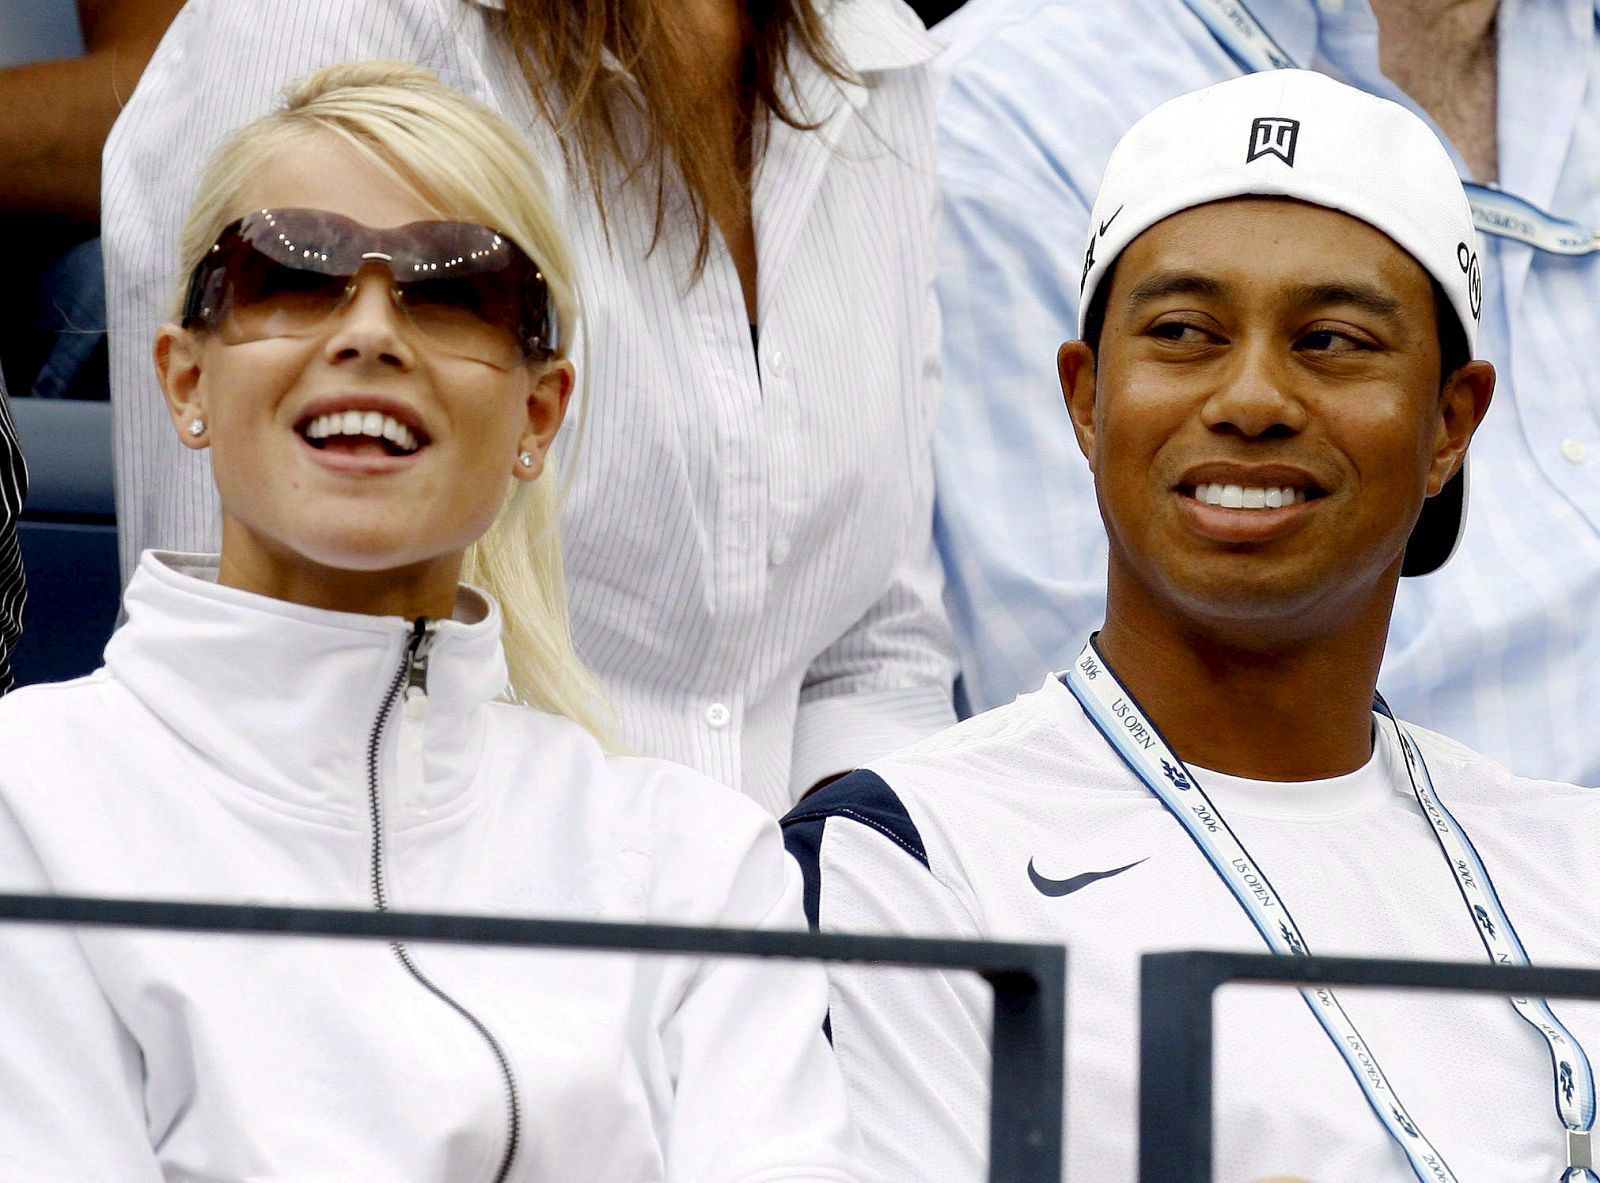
(283, 699)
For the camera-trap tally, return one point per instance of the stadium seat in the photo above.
(38, 30)
(69, 538)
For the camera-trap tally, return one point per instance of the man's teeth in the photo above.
(1247, 496)
(367, 423)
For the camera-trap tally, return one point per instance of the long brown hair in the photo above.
(560, 47)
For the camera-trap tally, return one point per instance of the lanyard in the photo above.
(1494, 211)
(1123, 724)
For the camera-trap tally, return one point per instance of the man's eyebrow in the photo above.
(1172, 283)
(1162, 284)
(1359, 295)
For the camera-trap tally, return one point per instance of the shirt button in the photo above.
(1574, 451)
(778, 363)
(1333, 7)
(717, 715)
(780, 552)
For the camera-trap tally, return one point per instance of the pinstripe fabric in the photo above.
(13, 488)
(750, 557)
(1499, 649)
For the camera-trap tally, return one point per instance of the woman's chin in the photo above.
(367, 554)
(380, 565)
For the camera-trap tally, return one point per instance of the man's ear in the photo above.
(549, 392)
(1463, 400)
(177, 358)
(1075, 364)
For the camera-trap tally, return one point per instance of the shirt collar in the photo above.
(283, 698)
(877, 35)
(1293, 24)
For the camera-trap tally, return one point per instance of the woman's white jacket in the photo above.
(237, 748)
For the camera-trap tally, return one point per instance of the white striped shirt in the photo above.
(13, 488)
(750, 555)
(1500, 648)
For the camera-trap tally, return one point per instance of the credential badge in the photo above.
(1273, 136)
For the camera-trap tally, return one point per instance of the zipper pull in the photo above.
(417, 650)
(414, 717)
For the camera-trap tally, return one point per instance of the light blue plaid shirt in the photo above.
(1501, 648)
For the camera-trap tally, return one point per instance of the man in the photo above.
(1498, 648)
(1274, 393)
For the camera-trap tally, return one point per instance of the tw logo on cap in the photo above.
(1273, 136)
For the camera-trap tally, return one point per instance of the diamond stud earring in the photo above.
(197, 427)
(525, 459)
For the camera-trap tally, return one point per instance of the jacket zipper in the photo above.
(411, 680)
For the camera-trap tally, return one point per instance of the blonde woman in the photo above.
(749, 189)
(373, 348)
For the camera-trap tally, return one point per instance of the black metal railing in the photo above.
(1029, 981)
(1176, 1028)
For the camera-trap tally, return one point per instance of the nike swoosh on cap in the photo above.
(1060, 887)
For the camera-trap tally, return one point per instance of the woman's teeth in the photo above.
(1247, 496)
(362, 423)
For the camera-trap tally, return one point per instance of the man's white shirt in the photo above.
(964, 833)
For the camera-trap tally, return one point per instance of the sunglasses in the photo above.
(467, 289)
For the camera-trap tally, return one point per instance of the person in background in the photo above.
(1274, 388)
(13, 586)
(57, 114)
(750, 193)
(326, 714)
(1498, 649)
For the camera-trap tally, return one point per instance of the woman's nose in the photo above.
(370, 324)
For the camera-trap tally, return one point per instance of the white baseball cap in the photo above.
(1301, 135)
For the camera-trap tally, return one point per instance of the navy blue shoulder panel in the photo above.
(863, 797)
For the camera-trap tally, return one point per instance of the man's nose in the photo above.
(1255, 396)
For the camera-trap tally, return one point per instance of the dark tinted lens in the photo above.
(273, 281)
(462, 292)
(474, 276)
(263, 297)
(466, 315)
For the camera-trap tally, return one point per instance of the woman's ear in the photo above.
(177, 358)
(549, 392)
(1076, 364)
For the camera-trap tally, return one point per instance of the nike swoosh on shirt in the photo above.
(1106, 225)
(1060, 887)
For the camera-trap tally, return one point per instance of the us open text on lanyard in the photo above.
(1494, 211)
(1135, 738)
